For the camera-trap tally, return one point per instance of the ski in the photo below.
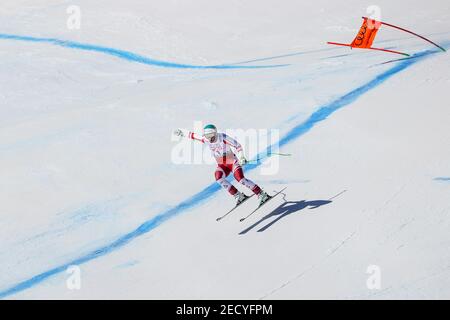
(234, 208)
(271, 197)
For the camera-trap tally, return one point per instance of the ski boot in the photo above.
(240, 198)
(263, 197)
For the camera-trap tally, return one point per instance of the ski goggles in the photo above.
(210, 136)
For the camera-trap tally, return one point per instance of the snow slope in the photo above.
(85, 150)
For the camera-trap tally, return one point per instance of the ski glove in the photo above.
(179, 133)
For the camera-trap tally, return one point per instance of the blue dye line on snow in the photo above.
(321, 114)
(283, 56)
(338, 56)
(127, 264)
(125, 55)
(445, 179)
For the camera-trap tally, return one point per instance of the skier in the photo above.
(221, 146)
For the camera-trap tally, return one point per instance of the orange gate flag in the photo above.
(366, 34)
(368, 31)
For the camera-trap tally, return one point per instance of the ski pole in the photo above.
(268, 155)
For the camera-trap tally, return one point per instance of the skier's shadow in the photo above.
(285, 209)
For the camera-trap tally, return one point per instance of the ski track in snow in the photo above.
(319, 115)
(125, 55)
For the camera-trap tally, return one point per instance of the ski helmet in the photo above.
(210, 132)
